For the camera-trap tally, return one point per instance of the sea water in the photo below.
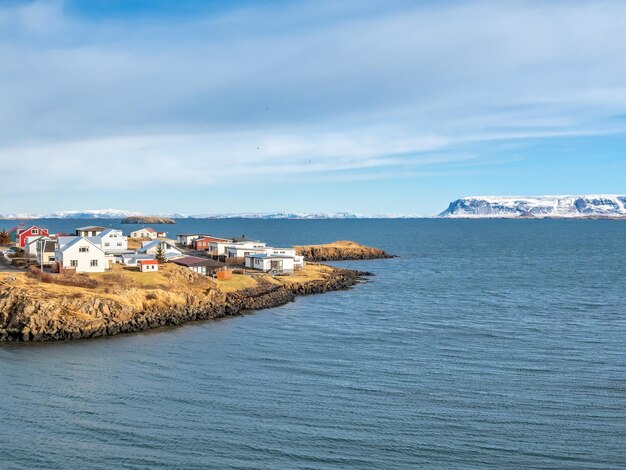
(486, 344)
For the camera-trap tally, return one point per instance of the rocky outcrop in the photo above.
(147, 219)
(24, 317)
(340, 251)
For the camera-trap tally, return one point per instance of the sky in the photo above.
(371, 107)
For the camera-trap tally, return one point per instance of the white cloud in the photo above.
(316, 87)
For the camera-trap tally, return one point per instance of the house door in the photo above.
(277, 265)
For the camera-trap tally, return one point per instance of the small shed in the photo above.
(199, 265)
(148, 265)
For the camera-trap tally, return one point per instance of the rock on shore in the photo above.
(340, 251)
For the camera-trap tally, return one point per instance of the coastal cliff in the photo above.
(340, 251)
(119, 302)
(147, 219)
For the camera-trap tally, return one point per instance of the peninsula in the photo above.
(100, 281)
(37, 307)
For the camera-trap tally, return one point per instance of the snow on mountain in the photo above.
(120, 214)
(86, 214)
(20, 216)
(93, 214)
(277, 215)
(586, 206)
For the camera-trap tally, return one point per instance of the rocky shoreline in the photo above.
(23, 318)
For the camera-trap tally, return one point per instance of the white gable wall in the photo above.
(83, 256)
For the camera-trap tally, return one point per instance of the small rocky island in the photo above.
(342, 250)
(147, 219)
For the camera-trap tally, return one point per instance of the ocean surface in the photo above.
(487, 344)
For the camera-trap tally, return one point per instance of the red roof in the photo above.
(148, 261)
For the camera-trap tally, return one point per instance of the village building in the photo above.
(146, 232)
(132, 259)
(79, 254)
(273, 264)
(89, 231)
(204, 266)
(217, 249)
(186, 239)
(148, 265)
(111, 241)
(281, 251)
(33, 243)
(170, 250)
(241, 250)
(203, 243)
(46, 254)
(23, 233)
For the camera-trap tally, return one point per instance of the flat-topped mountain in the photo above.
(587, 206)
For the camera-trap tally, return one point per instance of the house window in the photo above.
(119, 244)
(93, 263)
(83, 249)
(106, 244)
(35, 231)
(74, 263)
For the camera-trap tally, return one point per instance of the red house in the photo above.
(203, 242)
(22, 233)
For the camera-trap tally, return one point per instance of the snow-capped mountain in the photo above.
(587, 206)
(86, 214)
(93, 214)
(120, 214)
(277, 215)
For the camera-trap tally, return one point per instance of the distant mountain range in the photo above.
(571, 207)
(121, 214)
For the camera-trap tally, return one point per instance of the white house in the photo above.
(46, 253)
(33, 243)
(218, 248)
(243, 250)
(89, 231)
(81, 255)
(132, 259)
(280, 251)
(169, 249)
(111, 241)
(186, 238)
(146, 232)
(278, 264)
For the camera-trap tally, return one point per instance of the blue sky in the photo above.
(373, 107)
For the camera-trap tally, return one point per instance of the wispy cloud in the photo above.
(297, 89)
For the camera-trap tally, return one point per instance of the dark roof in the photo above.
(197, 261)
(243, 239)
(90, 228)
(49, 246)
